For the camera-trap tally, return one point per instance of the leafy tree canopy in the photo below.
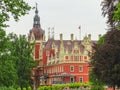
(15, 52)
(16, 8)
(108, 7)
(22, 49)
(106, 59)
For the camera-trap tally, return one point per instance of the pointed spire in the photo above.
(36, 19)
(36, 11)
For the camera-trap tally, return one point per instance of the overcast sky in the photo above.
(65, 16)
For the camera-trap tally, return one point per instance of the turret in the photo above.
(36, 19)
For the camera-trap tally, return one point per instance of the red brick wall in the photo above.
(76, 71)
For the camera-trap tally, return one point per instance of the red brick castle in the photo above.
(59, 61)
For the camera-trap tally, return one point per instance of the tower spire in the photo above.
(36, 11)
(36, 19)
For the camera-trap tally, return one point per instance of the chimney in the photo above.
(61, 37)
(89, 36)
(72, 37)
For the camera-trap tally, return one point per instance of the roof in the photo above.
(38, 33)
(68, 44)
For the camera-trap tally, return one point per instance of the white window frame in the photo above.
(80, 79)
(71, 67)
(73, 79)
(80, 67)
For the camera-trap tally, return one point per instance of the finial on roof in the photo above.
(53, 33)
(36, 11)
(49, 33)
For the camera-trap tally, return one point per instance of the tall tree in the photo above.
(22, 49)
(8, 60)
(108, 7)
(8, 74)
(106, 59)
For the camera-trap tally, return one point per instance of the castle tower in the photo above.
(36, 33)
(37, 36)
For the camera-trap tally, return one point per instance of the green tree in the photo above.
(108, 7)
(16, 8)
(106, 59)
(22, 49)
(7, 71)
(96, 84)
(116, 16)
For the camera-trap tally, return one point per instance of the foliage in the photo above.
(18, 88)
(108, 6)
(97, 87)
(62, 86)
(8, 74)
(7, 88)
(101, 40)
(16, 8)
(12, 88)
(106, 59)
(116, 16)
(21, 50)
(29, 88)
(117, 13)
(96, 84)
(11, 64)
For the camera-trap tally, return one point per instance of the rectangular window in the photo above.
(66, 57)
(85, 57)
(81, 69)
(71, 79)
(76, 58)
(81, 79)
(71, 68)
